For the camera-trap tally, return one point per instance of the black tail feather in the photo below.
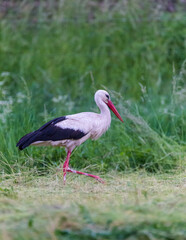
(40, 134)
(25, 140)
(50, 132)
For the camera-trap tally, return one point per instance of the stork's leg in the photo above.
(65, 166)
(86, 174)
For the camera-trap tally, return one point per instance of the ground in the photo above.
(131, 206)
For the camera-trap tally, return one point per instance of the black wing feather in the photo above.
(50, 132)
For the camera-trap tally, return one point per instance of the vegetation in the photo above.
(131, 206)
(54, 55)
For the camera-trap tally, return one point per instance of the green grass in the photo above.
(53, 68)
(128, 206)
(53, 58)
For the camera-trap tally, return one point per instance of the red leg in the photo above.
(86, 174)
(65, 166)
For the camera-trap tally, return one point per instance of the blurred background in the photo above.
(55, 54)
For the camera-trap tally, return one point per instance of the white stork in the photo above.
(72, 130)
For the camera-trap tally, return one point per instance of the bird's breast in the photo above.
(100, 127)
(93, 124)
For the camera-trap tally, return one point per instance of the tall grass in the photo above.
(53, 60)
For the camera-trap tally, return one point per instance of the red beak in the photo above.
(112, 107)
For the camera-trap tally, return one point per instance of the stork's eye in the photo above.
(107, 96)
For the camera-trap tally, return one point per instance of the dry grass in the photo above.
(43, 208)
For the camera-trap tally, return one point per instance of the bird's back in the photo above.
(71, 127)
(51, 131)
(94, 123)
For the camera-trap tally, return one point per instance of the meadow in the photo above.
(53, 57)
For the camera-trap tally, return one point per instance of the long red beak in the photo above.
(112, 107)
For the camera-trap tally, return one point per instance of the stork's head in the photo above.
(103, 96)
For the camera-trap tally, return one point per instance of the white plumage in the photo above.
(72, 130)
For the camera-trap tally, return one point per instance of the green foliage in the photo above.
(52, 62)
(7, 192)
(130, 206)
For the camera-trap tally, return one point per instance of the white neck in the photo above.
(105, 112)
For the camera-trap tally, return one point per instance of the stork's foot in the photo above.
(86, 174)
(64, 179)
(78, 172)
(64, 173)
(99, 179)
